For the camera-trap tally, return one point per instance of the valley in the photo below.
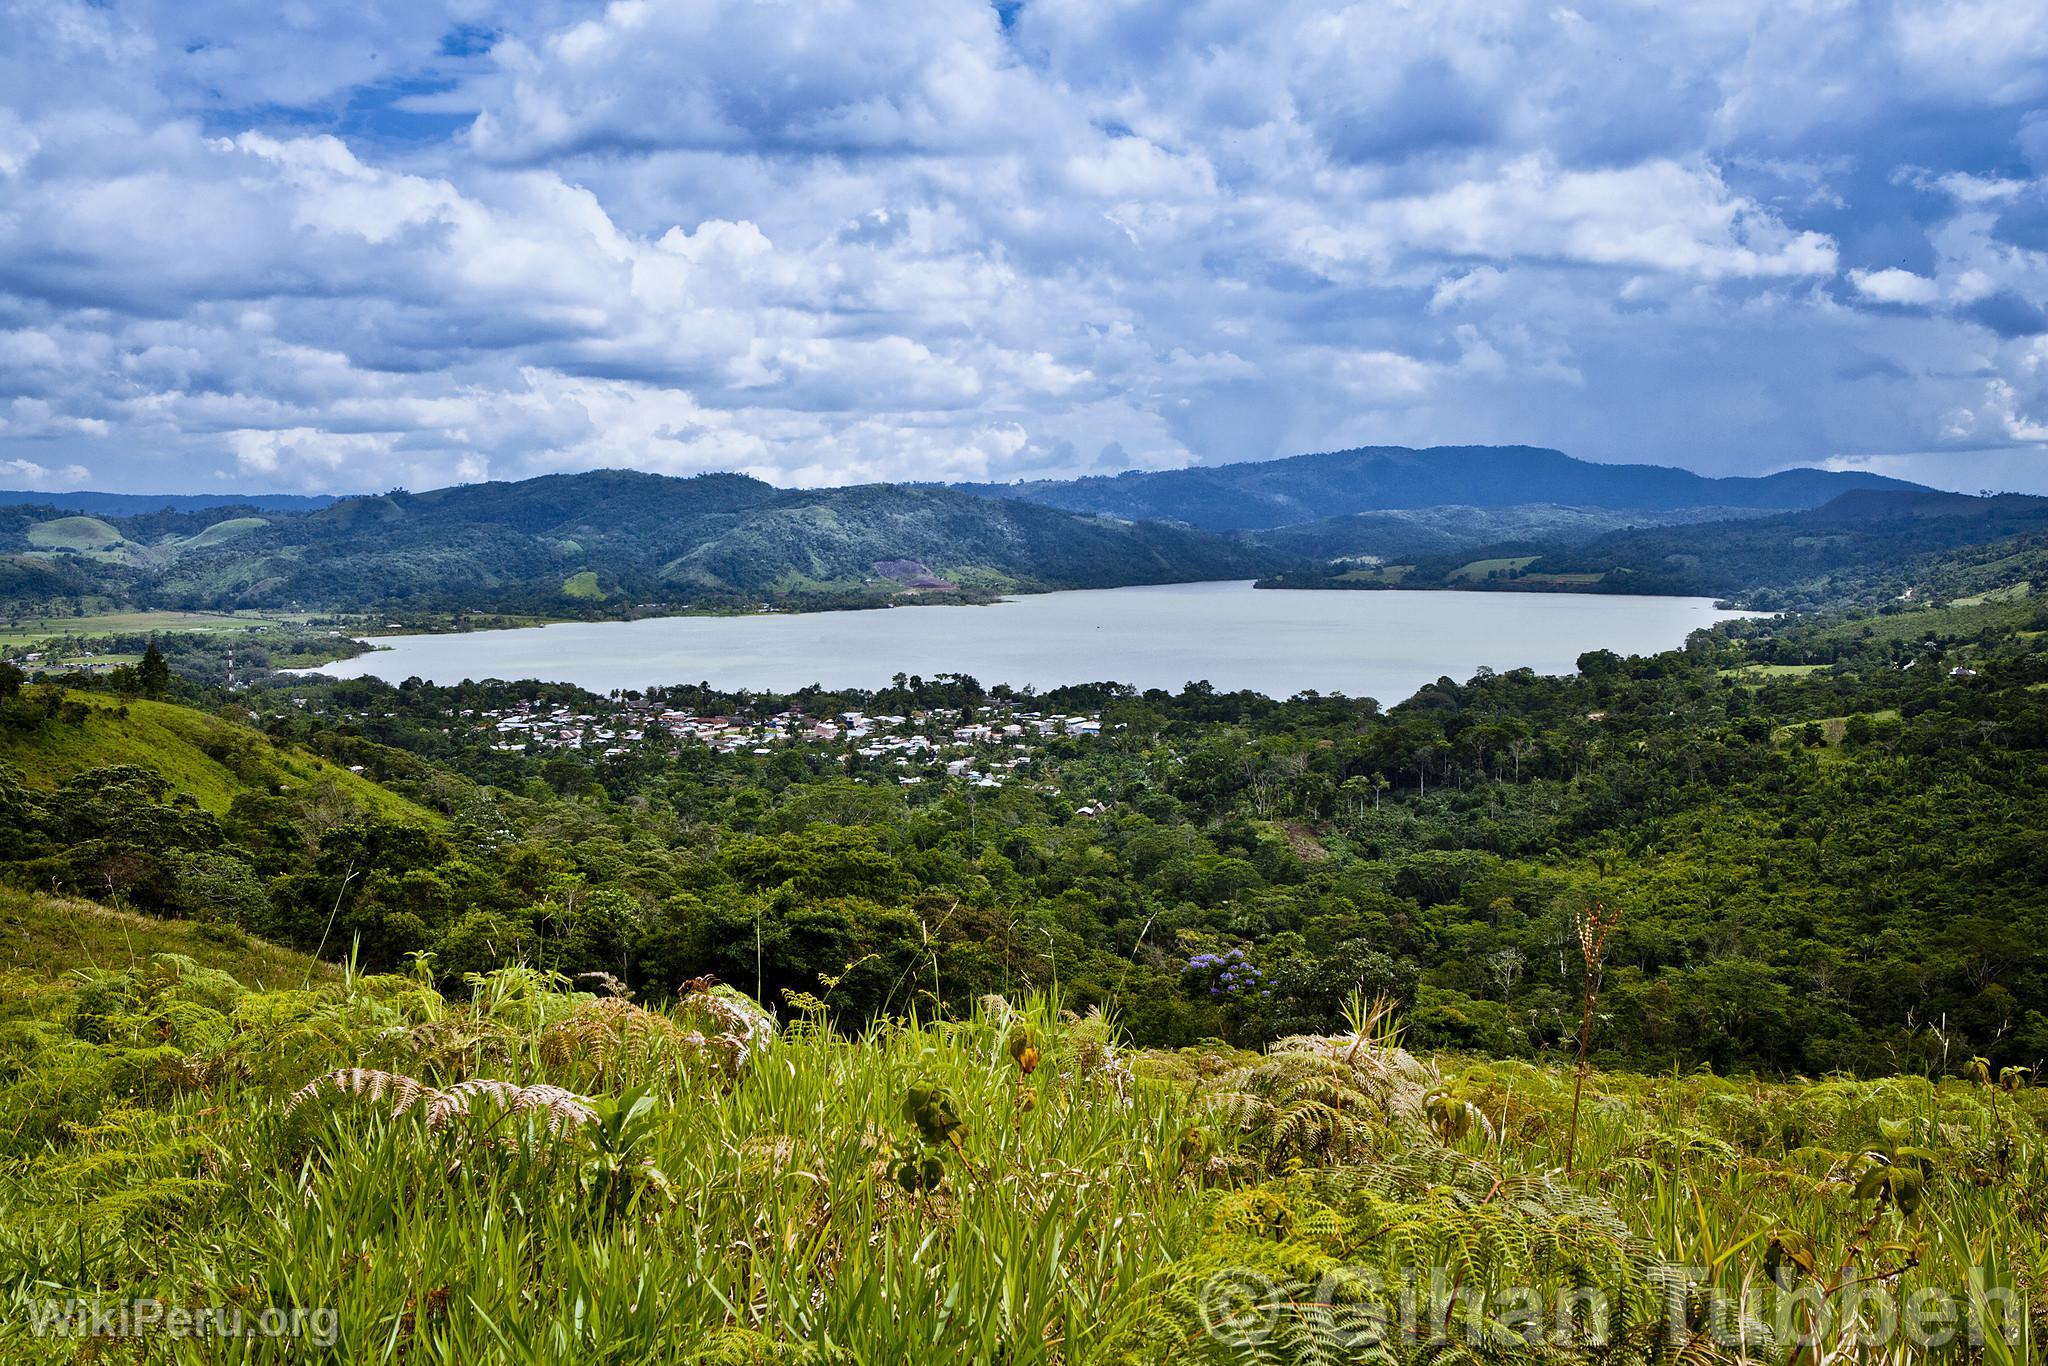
(1646, 943)
(1024, 683)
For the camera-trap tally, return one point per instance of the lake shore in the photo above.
(1278, 642)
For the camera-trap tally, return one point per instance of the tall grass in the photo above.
(785, 1204)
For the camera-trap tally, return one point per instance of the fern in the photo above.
(563, 1110)
(1323, 1099)
(613, 1042)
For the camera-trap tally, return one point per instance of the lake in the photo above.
(1382, 644)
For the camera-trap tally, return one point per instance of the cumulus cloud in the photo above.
(1656, 216)
(826, 240)
(1895, 286)
(29, 475)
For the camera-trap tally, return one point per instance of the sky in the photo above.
(306, 246)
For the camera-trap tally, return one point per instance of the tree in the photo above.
(154, 674)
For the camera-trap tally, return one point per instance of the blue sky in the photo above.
(307, 246)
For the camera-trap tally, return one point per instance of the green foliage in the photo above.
(490, 1162)
(153, 675)
(908, 1194)
(1789, 908)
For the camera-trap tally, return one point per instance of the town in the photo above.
(981, 747)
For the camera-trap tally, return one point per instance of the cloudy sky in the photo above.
(300, 245)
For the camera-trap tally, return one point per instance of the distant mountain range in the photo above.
(612, 541)
(131, 504)
(1274, 493)
(611, 537)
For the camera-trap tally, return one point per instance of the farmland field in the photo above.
(31, 630)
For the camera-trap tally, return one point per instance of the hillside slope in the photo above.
(1777, 560)
(563, 540)
(841, 536)
(1305, 488)
(575, 1153)
(610, 540)
(211, 760)
(1867, 546)
(1400, 532)
(47, 937)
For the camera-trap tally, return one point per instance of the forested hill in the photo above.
(1305, 488)
(1867, 547)
(617, 537)
(1800, 559)
(615, 541)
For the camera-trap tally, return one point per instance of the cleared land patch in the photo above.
(74, 533)
(31, 630)
(1478, 570)
(221, 532)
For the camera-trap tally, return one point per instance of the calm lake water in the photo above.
(1277, 641)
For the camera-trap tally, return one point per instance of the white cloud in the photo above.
(1658, 216)
(819, 240)
(28, 474)
(1895, 286)
(1472, 286)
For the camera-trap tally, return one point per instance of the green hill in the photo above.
(210, 759)
(74, 533)
(222, 532)
(541, 544)
(145, 806)
(1874, 540)
(1305, 488)
(46, 937)
(1398, 533)
(604, 541)
(836, 538)
(1867, 547)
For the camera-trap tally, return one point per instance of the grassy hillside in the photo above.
(1011, 1187)
(228, 530)
(74, 533)
(32, 629)
(48, 938)
(211, 760)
